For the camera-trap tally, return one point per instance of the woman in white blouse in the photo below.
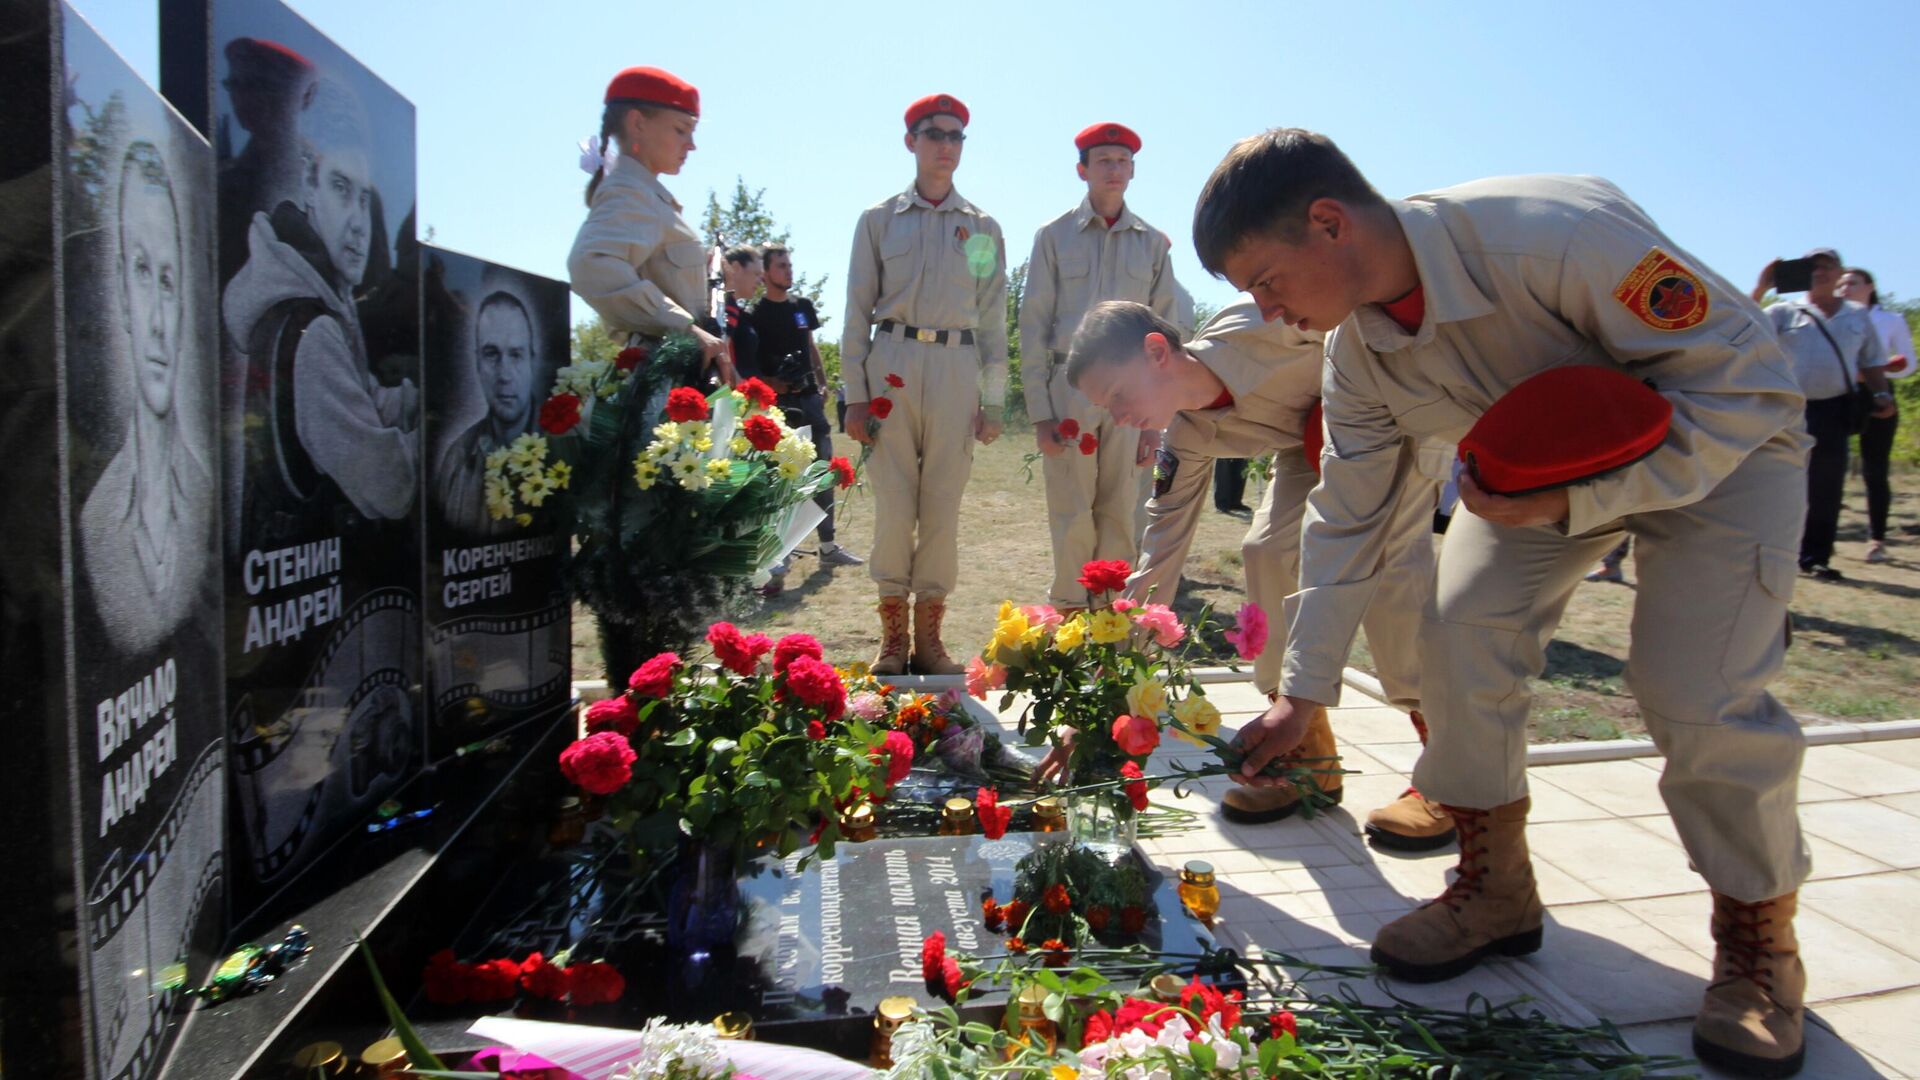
(1876, 443)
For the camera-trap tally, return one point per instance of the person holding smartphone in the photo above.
(1832, 345)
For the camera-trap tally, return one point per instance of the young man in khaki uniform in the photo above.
(1099, 250)
(926, 307)
(1437, 307)
(1243, 388)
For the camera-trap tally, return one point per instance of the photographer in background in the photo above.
(1876, 443)
(790, 363)
(1833, 347)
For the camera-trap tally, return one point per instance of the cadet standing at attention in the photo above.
(1099, 250)
(926, 331)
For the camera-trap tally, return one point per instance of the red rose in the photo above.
(994, 818)
(1105, 575)
(933, 954)
(685, 403)
(654, 678)
(794, 646)
(737, 652)
(542, 979)
(814, 682)
(1136, 735)
(880, 407)
(762, 432)
(629, 358)
(1136, 791)
(613, 714)
(1067, 429)
(899, 751)
(1098, 916)
(816, 730)
(1088, 444)
(758, 393)
(1283, 1021)
(895, 381)
(1133, 919)
(843, 473)
(560, 413)
(601, 763)
(594, 982)
(1056, 899)
(495, 980)
(445, 978)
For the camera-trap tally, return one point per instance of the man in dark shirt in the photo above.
(742, 274)
(790, 363)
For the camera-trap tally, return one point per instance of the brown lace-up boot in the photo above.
(1491, 909)
(1752, 1020)
(929, 655)
(1259, 805)
(894, 641)
(1412, 822)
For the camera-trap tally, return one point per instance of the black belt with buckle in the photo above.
(927, 337)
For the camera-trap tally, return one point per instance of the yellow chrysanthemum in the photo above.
(1109, 627)
(1198, 715)
(1146, 698)
(560, 474)
(523, 520)
(718, 468)
(668, 432)
(645, 470)
(739, 445)
(1070, 634)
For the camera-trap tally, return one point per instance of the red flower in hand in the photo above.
(542, 979)
(994, 818)
(601, 763)
(895, 381)
(1056, 899)
(762, 432)
(594, 982)
(1088, 444)
(881, 407)
(560, 413)
(685, 403)
(1068, 429)
(629, 358)
(758, 393)
(1105, 575)
(613, 714)
(843, 473)
(1136, 791)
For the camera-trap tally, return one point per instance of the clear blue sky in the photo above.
(1747, 130)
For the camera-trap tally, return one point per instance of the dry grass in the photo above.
(1856, 650)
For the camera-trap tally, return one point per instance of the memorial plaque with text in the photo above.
(499, 646)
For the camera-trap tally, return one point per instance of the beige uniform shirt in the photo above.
(931, 267)
(1523, 274)
(1078, 261)
(635, 260)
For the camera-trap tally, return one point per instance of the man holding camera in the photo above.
(790, 363)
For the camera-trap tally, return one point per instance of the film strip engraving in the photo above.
(530, 672)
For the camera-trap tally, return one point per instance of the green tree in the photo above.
(1203, 312)
(1016, 397)
(1906, 392)
(590, 340)
(745, 219)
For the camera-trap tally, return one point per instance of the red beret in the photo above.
(1313, 437)
(934, 104)
(1107, 135)
(656, 87)
(264, 59)
(1563, 426)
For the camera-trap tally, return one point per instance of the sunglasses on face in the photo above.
(941, 135)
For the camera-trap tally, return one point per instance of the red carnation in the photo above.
(1056, 899)
(880, 407)
(601, 763)
(994, 818)
(815, 683)
(758, 393)
(445, 978)
(1205, 1001)
(762, 432)
(1016, 912)
(899, 751)
(1015, 946)
(793, 646)
(629, 358)
(993, 914)
(951, 979)
(1133, 919)
(560, 413)
(613, 714)
(1146, 1017)
(1105, 575)
(1283, 1021)
(895, 381)
(1057, 953)
(594, 982)
(654, 678)
(1067, 429)
(542, 979)
(495, 980)
(816, 730)
(1098, 916)
(933, 953)
(1136, 791)
(843, 473)
(1099, 1028)
(685, 403)
(737, 652)
(1088, 444)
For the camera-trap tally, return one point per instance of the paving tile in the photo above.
(1881, 906)
(1841, 962)
(1615, 858)
(1424, 878)
(1882, 1027)
(1559, 887)
(1899, 751)
(1859, 772)
(1829, 1057)
(1830, 860)
(1876, 831)
(1399, 757)
(1370, 726)
(1619, 965)
(1625, 788)
(1552, 803)
(1908, 803)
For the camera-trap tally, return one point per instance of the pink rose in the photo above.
(601, 763)
(1123, 605)
(1249, 637)
(983, 677)
(899, 754)
(613, 714)
(1136, 735)
(1165, 625)
(867, 706)
(1041, 615)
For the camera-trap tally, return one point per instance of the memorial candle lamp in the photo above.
(737, 1026)
(1198, 891)
(956, 817)
(388, 1057)
(1036, 1030)
(318, 1060)
(887, 1018)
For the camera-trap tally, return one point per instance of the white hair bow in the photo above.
(595, 160)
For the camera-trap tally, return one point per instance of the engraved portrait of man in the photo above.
(505, 361)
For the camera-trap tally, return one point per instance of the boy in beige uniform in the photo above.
(1097, 251)
(1243, 388)
(926, 307)
(1515, 276)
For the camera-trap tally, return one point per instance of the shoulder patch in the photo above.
(1663, 293)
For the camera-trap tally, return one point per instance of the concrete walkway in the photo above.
(1627, 920)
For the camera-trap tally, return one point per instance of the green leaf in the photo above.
(1047, 978)
(683, 737)
(1203, 1056)
(721, 745)
(1270, 1052)
(1055, 1007)
(1085, 981)
(417, 1051)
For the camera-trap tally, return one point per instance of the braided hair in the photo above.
(611, 120)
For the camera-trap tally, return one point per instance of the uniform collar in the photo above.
(1087, 215)
(644, 178)
(1451, 293)
(911, 198)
